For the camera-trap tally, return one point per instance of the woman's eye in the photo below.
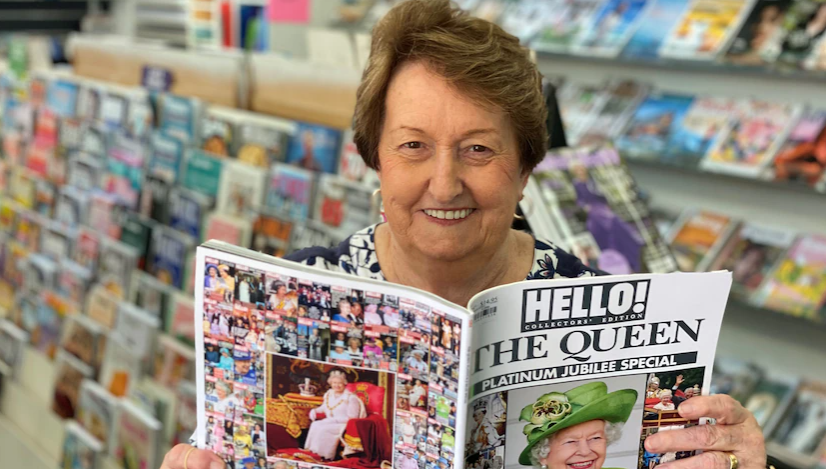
(478, 148)
(412, 145)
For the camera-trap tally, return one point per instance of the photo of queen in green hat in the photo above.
(572, 429)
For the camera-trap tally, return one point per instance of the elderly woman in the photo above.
(329, 419)
(450, 112)
(573, 429)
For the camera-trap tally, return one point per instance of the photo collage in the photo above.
(622, 411)
(301, 374)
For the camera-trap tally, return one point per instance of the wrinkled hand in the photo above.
(680, 380)
(198, 459)
(736, 432)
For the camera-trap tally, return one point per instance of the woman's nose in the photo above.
(583, 448)
(445, 182)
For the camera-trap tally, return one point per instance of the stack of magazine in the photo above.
(363, 374)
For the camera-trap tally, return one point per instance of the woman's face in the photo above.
(344, 308)
(450, 171)
(338, 384)
(579, 447)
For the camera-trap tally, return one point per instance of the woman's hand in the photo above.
(736, 432)
(180, 457)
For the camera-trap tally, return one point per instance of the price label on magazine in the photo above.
(156, 78)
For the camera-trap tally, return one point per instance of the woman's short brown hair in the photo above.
(477, 57)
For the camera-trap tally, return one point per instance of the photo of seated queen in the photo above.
(575, 428)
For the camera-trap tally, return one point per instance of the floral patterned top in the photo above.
(356, 255)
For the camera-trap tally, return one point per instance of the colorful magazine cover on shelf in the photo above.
(81, 450)
(97, 412)
(290, 191)
(803, 155)
(569, 20)
(803, 45)
(121, 368)
(84, 171)
(798, 284)
(40, 273)
(696, 238)
(218, 135)
(102, 306)
(116, 263)
(655, 121)
(579, 105)
(735, 377)
(124, 171)
(169, 253)
(87, 248)
(70, 132)
(232, 230)
(62, 96)
(167, 155)
(73, 281)
(799, 435)
(202, 172)
(174, 362)
(607, 32)
(137, 232)
(150, 294)
(607, 225)
(69, 374)
(751, 254)
(705, 29)
(264, 141)
(242, 189)
(180, 116)
(771, 398)
(271, 234)
(179, 318)
(13, 342)
(105, 214)
(186, 417)
(141, 119)
(85, 339)
(609, 123)
(693, 137)
(154, 201)
(114, 110)
(71, 206)
(315, 148)
(188, 211)
(158, 401)
(759, 39)
(138, 437)
(342, 206)
(746, 146)
(57, 240)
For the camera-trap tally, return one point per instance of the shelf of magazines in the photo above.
(105, 193)
(592, 206)
(782, 39)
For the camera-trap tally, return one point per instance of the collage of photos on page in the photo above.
(587, 424)
(302, 375)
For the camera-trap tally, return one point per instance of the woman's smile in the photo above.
(448, 217)
(582, 465)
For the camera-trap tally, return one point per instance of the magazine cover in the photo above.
(84, 171)
(759, 39)
(178, 324)
(51, 310)
(97, 412)
(28, 230)
(241, 189)
(71, 206)
(61, 97)
(174, 362)
(314, 148)
(114, 109)
(169, 252)
(526, 18)
(69, 374)
(154, 202)
(579, 105)
(40, 273)
(218, 134)
(85, 339)
(57, 240)
(188, 211)
(799, 436)
(232, 230)
(290, 191)
(568, 21)
(771, 398)
(137, 232)
(705, 29)
(73, 281)
(136, 329)
(141, 117)
(138, 438)
(619, 108)
(13, 342)
(81, 450)
(116, 263)
(179, 116)
(751, 254)
(802, 45)
(803, 155)
(121, 368)
(692, 138)
(22, 186)
(124, 171)
(202, 173)
(87, 248)
(94, 141)
(418, 399)
(798, 284)
(735, 377)
(611, 27)
(102, 306)
(150, 294)
(342, 206)
(167, 156)
(655, 121)
(44, 197)
(351, 165)
(158, 401)
(747, 146)
(697, 237)
(186, 417)
(271, 234)
(264, 141)
(70, 133)
(105, 214)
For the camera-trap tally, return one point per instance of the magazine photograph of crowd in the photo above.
(604, 415)
(307, 374)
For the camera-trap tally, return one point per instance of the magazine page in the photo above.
(315, 368)
(608, 356)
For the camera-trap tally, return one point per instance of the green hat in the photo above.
(557, 411)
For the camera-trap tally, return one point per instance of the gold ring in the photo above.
(191, 449)
(734, 463)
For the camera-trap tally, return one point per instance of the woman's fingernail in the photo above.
(685, 408)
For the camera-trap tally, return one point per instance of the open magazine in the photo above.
(299, 367)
